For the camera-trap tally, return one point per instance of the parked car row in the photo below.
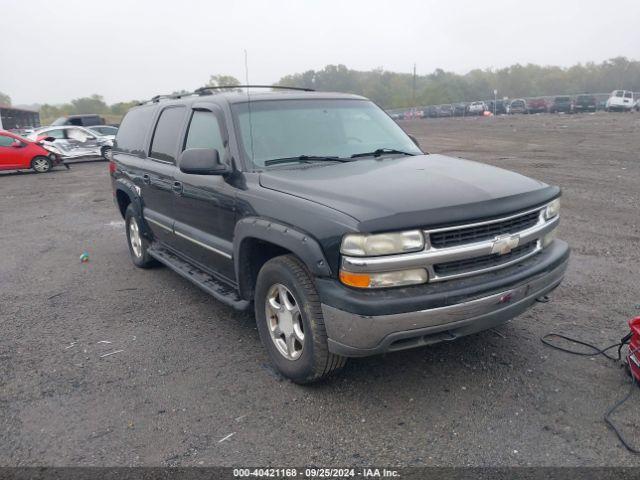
(41, 149)
(619, 100)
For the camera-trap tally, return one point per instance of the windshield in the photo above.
(60, 121)
(278, 129)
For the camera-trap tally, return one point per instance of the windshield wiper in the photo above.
(303, 159)
(381, 151)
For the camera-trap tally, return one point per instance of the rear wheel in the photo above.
(290, 322)
(138, 244)
(41, 164)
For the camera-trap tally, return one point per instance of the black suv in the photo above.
(321, 214)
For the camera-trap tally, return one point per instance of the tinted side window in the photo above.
(133, 131)
(165, 136)
(204, 132)
(6, 141)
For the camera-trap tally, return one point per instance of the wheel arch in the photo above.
(125, 195)
(257, 241)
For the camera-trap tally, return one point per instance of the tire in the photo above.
(138, 244)
(41, 164)
(105, 151)
(313, 361)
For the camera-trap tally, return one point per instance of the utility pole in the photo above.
(413, 100)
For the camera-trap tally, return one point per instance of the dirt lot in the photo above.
(191, 384)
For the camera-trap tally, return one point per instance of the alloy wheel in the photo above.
(284, 320)
(134, 238)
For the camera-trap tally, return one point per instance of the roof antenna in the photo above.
(246, 74)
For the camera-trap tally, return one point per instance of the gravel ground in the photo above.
(190, 383)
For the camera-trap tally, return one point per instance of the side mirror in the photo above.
(49, 139)
(17, 144)
(202, 161)
(414, 140)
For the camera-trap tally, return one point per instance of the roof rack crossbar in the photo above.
(157, 98)
(207, 91)
(202, 90)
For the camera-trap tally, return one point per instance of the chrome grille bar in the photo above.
(431, 256)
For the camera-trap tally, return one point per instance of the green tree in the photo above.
(223, 81)
(5, 99)
(121, 108)
(93, 104)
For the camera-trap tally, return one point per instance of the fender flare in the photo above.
(131, 190)
(128, 187)
(299, 243)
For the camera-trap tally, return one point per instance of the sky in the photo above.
(54, 51)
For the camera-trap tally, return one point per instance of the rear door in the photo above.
(82, 142)
(10, 156)
(205, 206)
(160, 172)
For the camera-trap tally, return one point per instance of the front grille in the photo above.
(479, 263)
(461, 236)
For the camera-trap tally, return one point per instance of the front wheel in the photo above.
(290, 322)
(41, 164)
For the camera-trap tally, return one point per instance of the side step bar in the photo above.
(206, 282)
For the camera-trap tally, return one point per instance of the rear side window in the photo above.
(133, 131)
(57, 134)
(204, 132)
(165, 136)
(6, 141)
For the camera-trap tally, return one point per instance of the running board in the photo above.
(219, 290)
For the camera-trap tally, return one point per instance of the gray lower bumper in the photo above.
(358, 335)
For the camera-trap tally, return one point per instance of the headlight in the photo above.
(385, 279)
(552, 210)
(362, 245)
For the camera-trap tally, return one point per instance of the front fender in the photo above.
(300, 243)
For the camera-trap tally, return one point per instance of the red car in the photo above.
(17, 153)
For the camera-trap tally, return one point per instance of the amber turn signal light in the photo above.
(360, 280)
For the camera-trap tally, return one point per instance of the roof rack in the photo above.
(204, 90)
(173, 96)
(207, 91)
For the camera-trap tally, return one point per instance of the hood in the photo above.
(399, 192)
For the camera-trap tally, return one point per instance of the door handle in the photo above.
(177, 187)
(146, 179)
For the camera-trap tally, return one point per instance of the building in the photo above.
(11, 118)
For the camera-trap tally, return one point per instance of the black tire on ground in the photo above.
(315, 361)
(41, 164)
(140, 244)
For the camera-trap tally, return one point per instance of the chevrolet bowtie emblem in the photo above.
(505, 243)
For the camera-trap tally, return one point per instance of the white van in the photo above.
(620, 100)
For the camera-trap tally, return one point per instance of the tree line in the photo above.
(397, 90)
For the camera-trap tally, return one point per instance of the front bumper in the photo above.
(361, 334)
